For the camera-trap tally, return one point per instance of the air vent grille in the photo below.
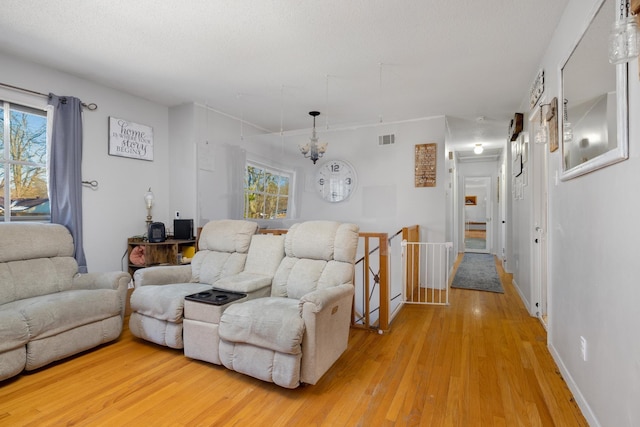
(386, 139)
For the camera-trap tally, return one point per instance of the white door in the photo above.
(478, 225)
(502, 209)
(540, 200)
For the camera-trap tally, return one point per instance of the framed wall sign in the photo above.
(128, 139)
(425, 164)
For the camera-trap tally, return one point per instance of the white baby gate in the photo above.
(425, 269)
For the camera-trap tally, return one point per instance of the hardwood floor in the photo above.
(481, 361)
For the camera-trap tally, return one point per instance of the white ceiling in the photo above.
(270, 62)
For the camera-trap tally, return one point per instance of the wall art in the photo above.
(129, 139)
(426, 156)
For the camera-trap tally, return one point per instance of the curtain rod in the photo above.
(91, 107)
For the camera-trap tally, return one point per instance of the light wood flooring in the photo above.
(481, 361)
(477, 234)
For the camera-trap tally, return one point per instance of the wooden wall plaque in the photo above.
(552, 120)
(425, 167)
(635, 9)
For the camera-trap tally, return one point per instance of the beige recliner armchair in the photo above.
(295, 335)
(157, 302)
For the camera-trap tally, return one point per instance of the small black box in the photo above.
(156, 233)
(183, 229)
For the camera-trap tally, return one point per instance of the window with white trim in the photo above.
(24, 192)
(267, 191)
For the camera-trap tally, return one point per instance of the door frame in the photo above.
(540, 246)
(487, 181)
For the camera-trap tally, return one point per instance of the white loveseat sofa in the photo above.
(293, 323)
(49, 311)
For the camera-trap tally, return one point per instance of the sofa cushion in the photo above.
(265, 254)
(319, 254)
(296, 277)
(209, 266)
(13, 330)
(34, 277)
(272, 323)
(20, 241)
(227, 235)
(52, 314)
(312, 239)
(164, 302)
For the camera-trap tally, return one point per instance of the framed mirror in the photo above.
(593, 107)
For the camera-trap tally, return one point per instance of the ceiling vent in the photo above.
(386, 139)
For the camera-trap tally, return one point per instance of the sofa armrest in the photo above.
(327, 318)
(323, 298)
(117, 280)
(162, 275)
(244, 282)
(110, 280)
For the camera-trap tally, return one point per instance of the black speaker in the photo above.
(183, 229)
(157, 232)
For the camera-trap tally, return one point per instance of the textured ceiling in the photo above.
(270, 62)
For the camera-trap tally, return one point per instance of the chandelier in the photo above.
(312, 149)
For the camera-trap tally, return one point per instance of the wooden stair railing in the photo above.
(381, 279)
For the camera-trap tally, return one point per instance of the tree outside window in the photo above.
(266, 192)
(23, 163)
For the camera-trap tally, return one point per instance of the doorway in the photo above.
(478, 230)
(540, 222)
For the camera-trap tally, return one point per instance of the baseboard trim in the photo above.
(575, 390)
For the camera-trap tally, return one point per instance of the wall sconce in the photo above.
(541, 135)
(624, 38)
(313, 150)
(478, 149)
(148, 201)
(567, 130)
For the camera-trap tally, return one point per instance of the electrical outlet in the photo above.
(177, 214)
(583, 348)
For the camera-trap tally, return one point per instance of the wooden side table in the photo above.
(162, 253)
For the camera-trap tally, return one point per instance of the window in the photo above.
(266, 192)
(23, 163)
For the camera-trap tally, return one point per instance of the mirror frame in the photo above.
(621, 152)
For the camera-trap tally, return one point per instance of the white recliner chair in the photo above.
(157, 302)
(295, 335)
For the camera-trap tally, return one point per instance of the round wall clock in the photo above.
(336, 180)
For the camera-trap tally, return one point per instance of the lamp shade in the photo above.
(148, 198)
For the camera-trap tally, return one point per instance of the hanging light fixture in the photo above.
(478, 149)
(312, 149)
(624, 40)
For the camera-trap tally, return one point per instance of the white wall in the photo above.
(116, 209)
(593, 284)
(385, 198)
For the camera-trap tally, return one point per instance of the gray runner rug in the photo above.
(477, 271)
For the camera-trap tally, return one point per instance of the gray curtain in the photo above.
(65, 170)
